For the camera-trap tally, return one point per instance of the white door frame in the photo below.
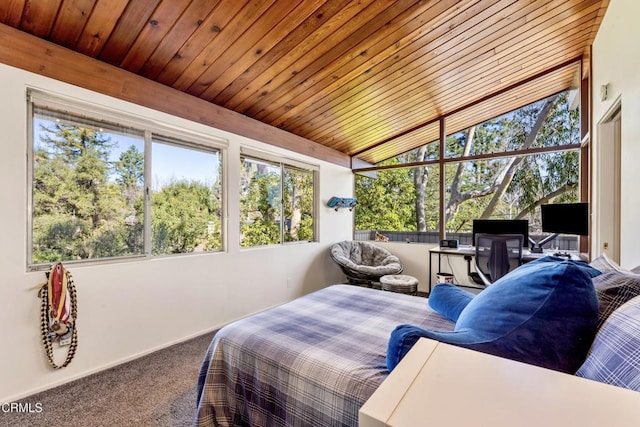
(607, 182)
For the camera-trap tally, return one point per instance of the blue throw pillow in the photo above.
(449, 300)
(542, 313)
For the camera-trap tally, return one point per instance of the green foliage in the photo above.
(130, 168)
(298, 204)
(266, 212)
(184, 219)
(474, 187)
(303, 231)
(386, 202)
(86, 207)
(260, 204)
(543, 175)
(76, 211)
(389, 202)
(260, 232)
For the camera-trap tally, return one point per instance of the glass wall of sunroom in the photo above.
(503, 168)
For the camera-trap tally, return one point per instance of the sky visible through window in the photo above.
(169, 163)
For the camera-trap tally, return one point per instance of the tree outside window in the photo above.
(86, 198)
(482, 178)
(276, 203)
(186, 204)
(88, 192)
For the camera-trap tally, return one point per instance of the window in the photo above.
(277, 201)
(186, 198)
(484, 192)
(513, 186)
(89, 182)
(298, 189)
(504, 168)
(398, 200)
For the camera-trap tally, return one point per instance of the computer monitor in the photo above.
(502, 226)
(565, 218)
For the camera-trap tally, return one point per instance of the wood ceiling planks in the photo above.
(99, 26)
(70, 21)
(306, 39)
(463, 82)
(202, 44)
(11, 12)
(477, 113)
(345, 74)
(38, 17)
(134, 18)
(239, 57)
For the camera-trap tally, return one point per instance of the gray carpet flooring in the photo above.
(155, 390)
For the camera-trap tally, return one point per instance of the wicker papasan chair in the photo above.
(363, 262)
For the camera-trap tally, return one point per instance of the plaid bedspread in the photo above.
(311, 362)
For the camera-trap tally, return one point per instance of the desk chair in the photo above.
(497, 254)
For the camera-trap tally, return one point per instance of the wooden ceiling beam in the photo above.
(33, 54)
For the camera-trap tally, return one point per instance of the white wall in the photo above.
(130, 308)
(616, 62)
(415, 260)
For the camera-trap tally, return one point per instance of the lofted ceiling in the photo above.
(368, 78)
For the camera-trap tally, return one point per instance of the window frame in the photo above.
(185, 138)
(282, 162)
(444, 160)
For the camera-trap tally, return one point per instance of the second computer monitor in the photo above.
(565, 218)
(502, 226)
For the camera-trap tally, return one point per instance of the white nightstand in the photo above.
(442, 385)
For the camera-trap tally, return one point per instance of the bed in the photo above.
(311, 362)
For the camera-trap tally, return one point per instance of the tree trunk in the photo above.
(547, 198)
(420, 178)
(455, 197)
(506, 176)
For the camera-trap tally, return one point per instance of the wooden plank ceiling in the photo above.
(363, 77)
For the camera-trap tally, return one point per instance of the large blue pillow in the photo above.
(543, 313)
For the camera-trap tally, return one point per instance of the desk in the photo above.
(468, 252)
